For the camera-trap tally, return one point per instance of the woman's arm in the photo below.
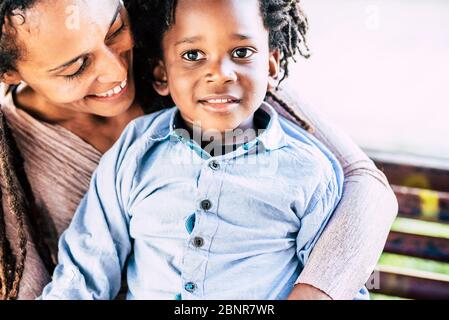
(350, 246)
(35, 275)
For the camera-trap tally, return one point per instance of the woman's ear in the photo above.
(11, 78)
(274, 69)
(160, 82)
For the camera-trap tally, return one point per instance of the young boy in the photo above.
(236, 221)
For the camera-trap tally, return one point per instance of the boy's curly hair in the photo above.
(285, 20)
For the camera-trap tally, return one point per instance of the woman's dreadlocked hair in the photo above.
(284, 19)
(288, 27)
(12, 179)
(10, 50)
(11, 268)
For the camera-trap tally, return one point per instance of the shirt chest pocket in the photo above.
(161, 215)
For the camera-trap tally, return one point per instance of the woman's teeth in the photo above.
(113, 91)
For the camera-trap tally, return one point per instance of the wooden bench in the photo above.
(423, 193)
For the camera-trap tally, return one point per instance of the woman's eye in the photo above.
(193, 55)
(242, 53)
(80, 71)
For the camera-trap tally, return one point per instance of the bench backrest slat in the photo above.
(423, 194)
(418, 246)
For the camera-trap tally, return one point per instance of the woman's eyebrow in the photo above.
(65, 65)
(72, 61)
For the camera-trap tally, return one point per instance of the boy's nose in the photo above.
(221, 72)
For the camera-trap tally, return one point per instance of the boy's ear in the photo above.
(274, 66)
(11, 78)
(160, 82)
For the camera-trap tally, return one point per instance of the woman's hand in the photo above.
(307, 292)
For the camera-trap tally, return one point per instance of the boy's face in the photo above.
(217, 62)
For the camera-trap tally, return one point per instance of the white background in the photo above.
(380, 70)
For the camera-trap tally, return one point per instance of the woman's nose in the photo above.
(221, 72)
(112, 67)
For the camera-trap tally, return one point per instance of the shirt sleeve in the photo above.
(94, 249)
(347, 251)
(322, 203)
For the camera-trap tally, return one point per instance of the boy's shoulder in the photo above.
(140, 132)
(309, 153)
(152, 125)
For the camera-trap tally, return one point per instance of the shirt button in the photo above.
(214, 165)
(206, 205)
(198, 242)
(190, 287)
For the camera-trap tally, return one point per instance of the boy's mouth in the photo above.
(219, 103)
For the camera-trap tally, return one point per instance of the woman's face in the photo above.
(77, 55)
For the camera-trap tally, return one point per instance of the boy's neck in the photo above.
(229, 140)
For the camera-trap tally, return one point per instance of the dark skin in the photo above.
(208, 61)
(203, 57)
(304, 291)
(65, 68)
(99, 51)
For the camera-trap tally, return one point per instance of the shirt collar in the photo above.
(272, 136)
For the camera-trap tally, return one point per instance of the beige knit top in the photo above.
(59, 165)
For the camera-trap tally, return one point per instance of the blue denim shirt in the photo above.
(185, 225)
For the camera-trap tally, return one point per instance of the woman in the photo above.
(72, 90)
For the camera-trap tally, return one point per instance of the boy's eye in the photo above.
(242, 53)
(193, 55)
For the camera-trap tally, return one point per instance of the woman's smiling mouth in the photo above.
(113, 93)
